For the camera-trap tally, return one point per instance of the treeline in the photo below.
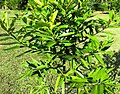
(13, 4)
(105, 5)
(98, 5)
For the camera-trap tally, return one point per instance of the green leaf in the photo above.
(109, 52)
(68, 44)
(103, 75)
(53, 16)
(13, 23)
(27, 73)
(95, 89)
(32, 64)
(41, 67)
(29, 28)
(79, 20)
(41, 24)
(116, 85)
(98, 89)
(6, 20)
(111, 14)
(63, 86)
(66, 34)
(51, 43)
(112, 84)
(62, 1)
(76, 79)
(3, 25)
(45, 36)
(47, 89)
(95, 74)
(98, 57)
(57, 82)
(89, 58)
(69, 72)
(92, 38)
(109, 70)
(101, 89)
(109, 91)
(24, 20)
(25, 64)
(85, 63)
(61, 27)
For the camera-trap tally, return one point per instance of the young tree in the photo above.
(63, 33)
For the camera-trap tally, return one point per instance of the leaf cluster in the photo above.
(63, 32)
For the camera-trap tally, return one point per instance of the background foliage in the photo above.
(13, 4)
(105, 5)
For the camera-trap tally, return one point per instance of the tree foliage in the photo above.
(63, 33)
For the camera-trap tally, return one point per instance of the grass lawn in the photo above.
(115, 30)
(10, 65)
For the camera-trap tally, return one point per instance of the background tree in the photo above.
(22, 4)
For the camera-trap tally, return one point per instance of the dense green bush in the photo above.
(63, 33)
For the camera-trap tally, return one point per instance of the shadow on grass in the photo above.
(114, 62)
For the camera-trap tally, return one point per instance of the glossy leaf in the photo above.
(53, 16)
(62, 27)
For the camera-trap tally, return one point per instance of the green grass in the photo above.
(11, 70)
(10, 65)
(113, 29)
